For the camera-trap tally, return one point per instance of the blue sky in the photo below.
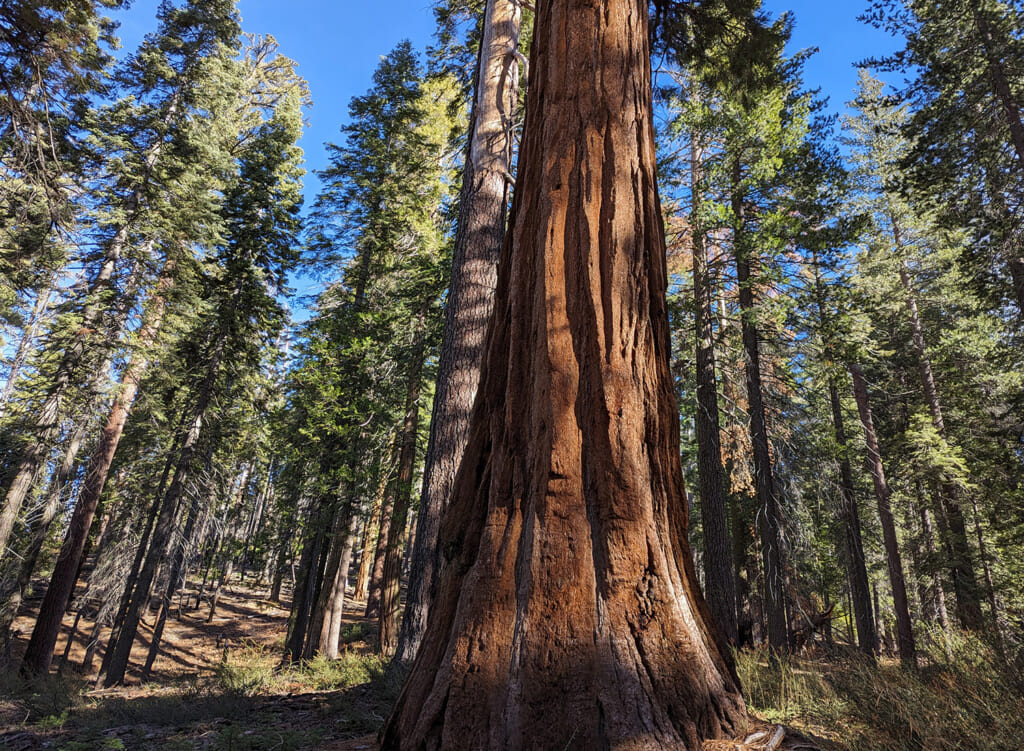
(338, 44)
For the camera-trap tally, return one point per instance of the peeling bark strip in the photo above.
(568, 613)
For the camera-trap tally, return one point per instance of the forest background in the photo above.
(845, 297)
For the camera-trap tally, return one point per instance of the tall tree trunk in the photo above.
(718, 564)
(867, 632)
(27, 343)
(938, 590)
(965, 583)
(568, 611)
(330, 630)
(770, 513)
(173, 575)
(387, 505)
(994, 58)
(30, 555)
(388, 622)
(84, 351)
(163, 529)
(62, 581)
(371, 536)
(481, 228)
(904, 627)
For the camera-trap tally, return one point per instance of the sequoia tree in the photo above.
(568, 611)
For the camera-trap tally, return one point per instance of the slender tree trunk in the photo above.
(319, 627)
(965, 583)
(990, 590)
(904, 627)
(867, 632)
(719, 586)
(568, 610)
(1000, 81)
(387, 506)
(173, 577)
(389, 620)
(26, 344)
(481, 228)
(82, 354)
(54, 498)
(334, 610)
(939, 592)
(371, 535)
(165, 521)
(770, 514)
(62, 581)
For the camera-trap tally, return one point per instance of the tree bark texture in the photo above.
(904, 627)
(481, 228)
(569, 613)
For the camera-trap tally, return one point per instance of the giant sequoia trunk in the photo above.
(482, 206)
(568, 613)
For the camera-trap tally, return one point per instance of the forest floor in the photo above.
(215, 685)
(219, 685)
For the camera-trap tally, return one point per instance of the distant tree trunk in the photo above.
(481, 227)
(990, 590)
(121, 652)
(568, 611)
(334, 612)
(173, 576)
(62, 581)
(303, 591)
(377, 567)
(27, 343)
(319, 626)
(30, 555)
(769, 513)
(389, 620)
(965, 583)
(938, 591)
(82, 357)
(718, 563)
(867, 633)
(371, 536)
(222, 579)
(904, 627)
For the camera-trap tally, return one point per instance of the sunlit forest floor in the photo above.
(216, 685)
(220, 685)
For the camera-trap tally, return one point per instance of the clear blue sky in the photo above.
(338, 43)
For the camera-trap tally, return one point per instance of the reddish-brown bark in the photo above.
(568, 612)
(39, 653)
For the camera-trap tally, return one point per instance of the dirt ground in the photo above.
(218, 685)
(215, 685)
